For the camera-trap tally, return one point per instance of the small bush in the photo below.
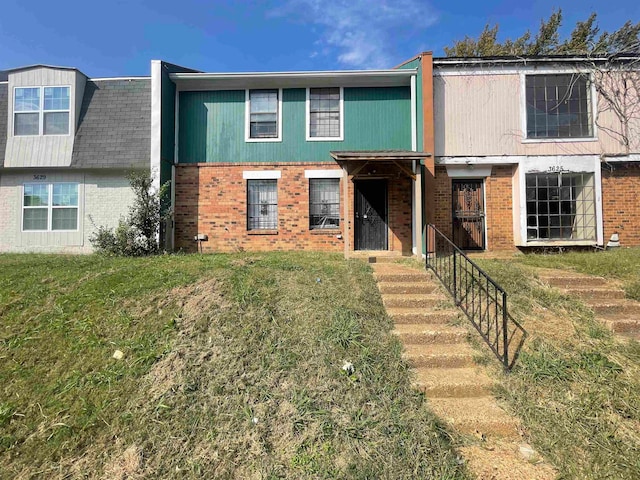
(137, 235)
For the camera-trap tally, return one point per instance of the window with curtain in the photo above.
(262, 204)
(324, 113)
(263, 113)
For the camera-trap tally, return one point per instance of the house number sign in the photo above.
(39, 177)
(556, 169)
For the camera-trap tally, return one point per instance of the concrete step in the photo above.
(614, 306)
(453, 382)
(502, 461)
(429, 334)
(399, 276)
(562, 280)
(594, 292)
(623, 325)
(384, 259)
(475, 415)
(411, 300)
(451, 355)
(422, 315)
(407, 287)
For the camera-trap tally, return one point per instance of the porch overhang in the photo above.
(359, 159)
(364, 157)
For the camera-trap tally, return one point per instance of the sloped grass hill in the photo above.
(231, 368)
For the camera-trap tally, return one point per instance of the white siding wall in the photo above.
(482, 115)
(103, 199)
(44, 151)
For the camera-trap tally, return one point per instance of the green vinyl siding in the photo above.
(212, 126)
(415, 64)
(168, 122)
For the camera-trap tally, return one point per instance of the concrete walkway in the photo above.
(435, 338)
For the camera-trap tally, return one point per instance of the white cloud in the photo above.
(361, 33)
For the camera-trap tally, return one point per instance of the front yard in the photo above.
(231, 368)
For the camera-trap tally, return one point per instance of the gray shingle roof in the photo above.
(114, 130)
(4, 95)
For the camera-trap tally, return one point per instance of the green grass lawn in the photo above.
(575, 387)
(231, 369)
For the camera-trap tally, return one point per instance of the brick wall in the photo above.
(498, 208)
(212, 198)
(620, 204)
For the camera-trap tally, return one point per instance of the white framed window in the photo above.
(41, 111)
(325, 114)
(561, 206)
(263, 115)
(50, 207)
(324, 203)
(262, 204)
(559, 106)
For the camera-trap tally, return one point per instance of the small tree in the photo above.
(137, 234)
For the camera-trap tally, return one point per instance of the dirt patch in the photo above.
(544, 323)
(127, 466)
(196, 302)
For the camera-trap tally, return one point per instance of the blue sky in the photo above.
(120, 37)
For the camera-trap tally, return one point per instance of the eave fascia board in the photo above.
(185, 81)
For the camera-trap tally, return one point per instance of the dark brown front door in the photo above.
(468, 214)
(370, 215)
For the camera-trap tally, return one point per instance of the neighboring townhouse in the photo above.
(327, 161)
(529, 152)
(67, 143)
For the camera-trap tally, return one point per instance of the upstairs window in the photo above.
(41, 111)
(324, 113)
(324, 203)
(559, 106)
(264, 116)
(50, 207)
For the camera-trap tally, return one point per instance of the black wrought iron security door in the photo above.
(468, 214)
(370, 215)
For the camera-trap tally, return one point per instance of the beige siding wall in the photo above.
(104, 198)
(480, 115)
(44, 151)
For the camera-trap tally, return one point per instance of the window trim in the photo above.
(41, 111)
(50, 207)
(523, 107)
(247, 117)
(309, 138)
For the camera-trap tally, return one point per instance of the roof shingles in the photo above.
(114, 130)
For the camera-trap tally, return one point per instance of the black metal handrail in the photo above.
(483, 301)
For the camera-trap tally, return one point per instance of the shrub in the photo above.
(137, 235)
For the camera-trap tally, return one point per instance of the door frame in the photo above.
(482, 181)
(356, 227)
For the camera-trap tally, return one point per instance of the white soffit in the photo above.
(238, 81)
(469, 171)
(261, 174)
(333, 173)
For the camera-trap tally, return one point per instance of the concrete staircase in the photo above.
(435, 336)
(605, 297)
